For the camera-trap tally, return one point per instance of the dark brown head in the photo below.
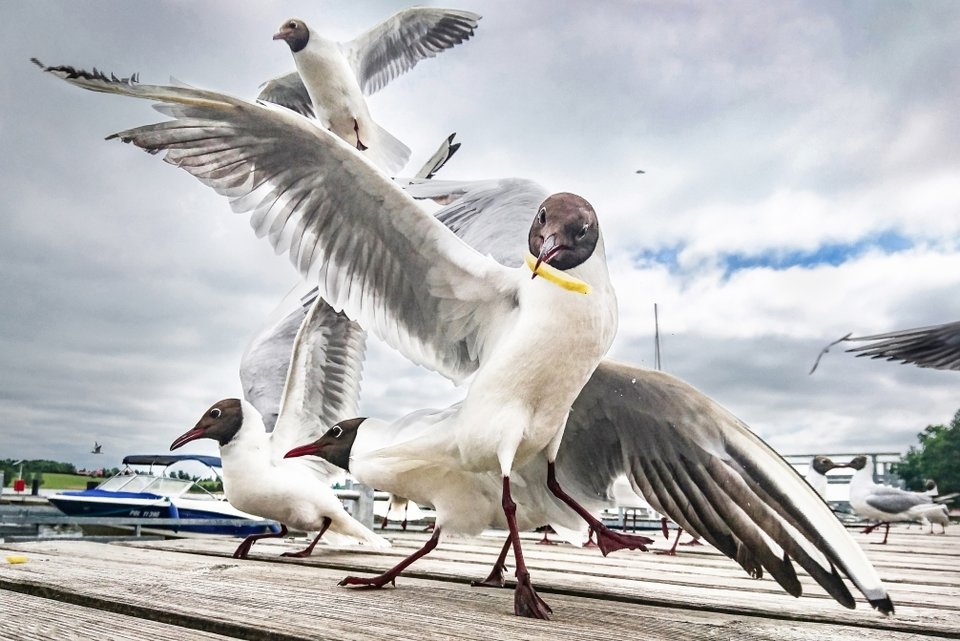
(858, 462)
(221, 423)
(823, 464)
(334, 446)
(295, 33)
(564, 232)
(930, 485)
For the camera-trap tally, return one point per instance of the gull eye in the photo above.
(542, 216)
(583, 231)
(215, 412)
(292, 24)
(336, 431)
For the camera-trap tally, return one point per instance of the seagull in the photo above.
(96, 448)
(884, 503)
(684, 453)
(323, 383)
(936, 346)
(816, 474)
(332, 78)
(529, 344)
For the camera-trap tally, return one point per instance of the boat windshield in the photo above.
(166, 486)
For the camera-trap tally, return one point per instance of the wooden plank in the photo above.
(257, 600)
(638, 576)
(31, 618)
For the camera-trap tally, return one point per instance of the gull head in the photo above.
(564, 232)
(335, 445)
(221, 423)
(857, 462)
(295, 33)
(823, 464)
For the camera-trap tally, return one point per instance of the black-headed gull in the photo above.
(529, 343)
(322, 384)
(884, 503)
(332, 78)
(816, 474)
(687, 455)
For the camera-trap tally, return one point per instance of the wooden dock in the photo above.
(193, 589)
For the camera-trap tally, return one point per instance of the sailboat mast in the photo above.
(656, 339)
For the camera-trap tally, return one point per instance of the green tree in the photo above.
(936, 457)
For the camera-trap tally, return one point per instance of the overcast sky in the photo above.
(802, 181)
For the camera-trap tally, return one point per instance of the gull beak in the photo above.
(186, 437)
(548, 250)
(310, 449)
(282, 34)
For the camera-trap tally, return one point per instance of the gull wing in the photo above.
(492, 216)
(322, 383)
(288, 91)
(370, 249)
(894, 501)
(397, 44)
(695, 462)
(937, 346)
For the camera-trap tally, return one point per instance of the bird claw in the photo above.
(526, 601)
(494, 580)
(297, 555)
(610, 541)
(372, 583)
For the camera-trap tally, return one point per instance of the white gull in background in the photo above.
(529, 343)
(684, 453)
(322, 384)
(332, 78)
(884, 503)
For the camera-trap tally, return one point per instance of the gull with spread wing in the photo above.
(332, 78)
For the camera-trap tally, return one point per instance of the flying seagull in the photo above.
(936, 346)
(96, 448)
(332, 78)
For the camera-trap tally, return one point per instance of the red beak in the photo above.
(281, 35)
(548, 250)
(186, 437)
(311, 449)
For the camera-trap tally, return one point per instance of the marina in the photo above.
(192, 588)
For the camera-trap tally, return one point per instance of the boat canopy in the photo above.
(164, 460)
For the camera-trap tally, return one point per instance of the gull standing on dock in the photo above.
(322, 384)
(332, 78)
(884, 503)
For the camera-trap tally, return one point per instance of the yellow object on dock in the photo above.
(13, 559)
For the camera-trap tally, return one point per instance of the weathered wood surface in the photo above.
(698, 594)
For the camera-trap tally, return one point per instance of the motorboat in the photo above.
(137, 494)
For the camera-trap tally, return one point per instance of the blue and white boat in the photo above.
(137, 494)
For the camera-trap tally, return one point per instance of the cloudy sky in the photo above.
(802, 181)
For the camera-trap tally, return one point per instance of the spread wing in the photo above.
(288, 91)
(397, 44)
(370, 249)
(492, 216)
(937, 346)
(323, 380)
(698, 464)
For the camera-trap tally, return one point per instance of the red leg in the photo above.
(495, 580)
(590, 542)
(886, 532)
(608, 540)
(526, 601)
(546, 539)
(403, 523)
(244, 548)
(309, 549)
(390, 576)
(664, 528)
(383, 526)
(693, 541)
(870, 528)
(673, 549)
